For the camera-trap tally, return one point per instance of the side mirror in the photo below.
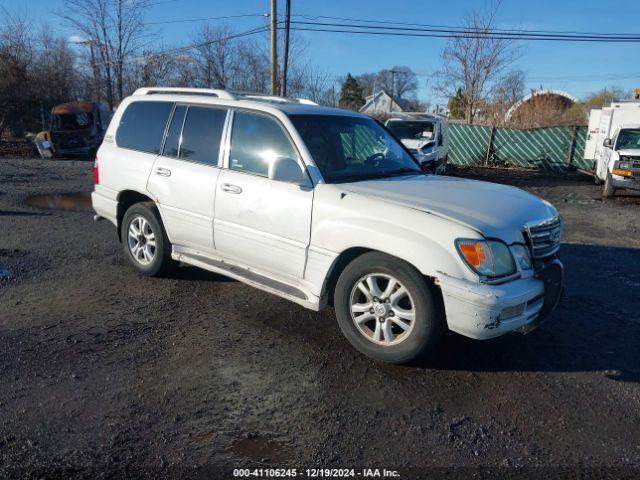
(285, 169)
(608, 143)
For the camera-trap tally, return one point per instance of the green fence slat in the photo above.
(544, 148)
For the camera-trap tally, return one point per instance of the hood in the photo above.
(494, 210)
(416, 144)
(629, 152)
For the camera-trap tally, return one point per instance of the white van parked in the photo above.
(426, 136)
(614, 146)
(321, 205)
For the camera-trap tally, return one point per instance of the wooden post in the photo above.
(489, 145)
(572, 145)
(285, 60)
(274, 47)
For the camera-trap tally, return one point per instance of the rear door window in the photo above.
(201, 135)
(142, 126)
(174, 134)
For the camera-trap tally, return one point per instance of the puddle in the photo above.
(262, 449)
(5, 273)
(62, 201)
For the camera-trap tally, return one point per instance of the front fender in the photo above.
(345, 221)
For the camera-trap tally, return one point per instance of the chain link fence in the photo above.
(551, 148)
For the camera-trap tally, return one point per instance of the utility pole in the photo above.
(274, 47)
(285, 60)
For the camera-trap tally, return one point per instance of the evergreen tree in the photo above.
(351, 94)
(456, 105)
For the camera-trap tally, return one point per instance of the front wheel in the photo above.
(608, 190)
(386, 309)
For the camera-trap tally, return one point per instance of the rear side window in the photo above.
(172, 143)
(201, 135)
(255, 141)
(142, 126)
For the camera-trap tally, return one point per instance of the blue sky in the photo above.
(578, 68)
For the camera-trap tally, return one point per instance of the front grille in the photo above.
(544, 238)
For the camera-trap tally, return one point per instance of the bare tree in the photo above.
(16, 57)
(510, 88)
(115, 29)
(399, 81)
(215, 56)
(368, 82)
(473, 62)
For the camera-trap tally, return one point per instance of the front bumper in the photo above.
(628, 183)
(431, 161)
(483, 311)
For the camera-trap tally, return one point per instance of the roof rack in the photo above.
(223, 94)
(273, 98)
(185, 91)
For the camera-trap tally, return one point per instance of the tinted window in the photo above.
(347, 149)
(172, 143)
(255, 140)
(142, 126)
(201, 134)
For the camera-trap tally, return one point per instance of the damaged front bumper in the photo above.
(483, 311)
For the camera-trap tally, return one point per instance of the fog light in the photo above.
(512, 311)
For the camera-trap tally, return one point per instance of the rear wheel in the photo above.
(386, 309)
(145, 242)
(608, 190)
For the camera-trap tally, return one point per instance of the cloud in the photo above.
(76, 39)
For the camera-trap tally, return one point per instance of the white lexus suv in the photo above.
(324, 206)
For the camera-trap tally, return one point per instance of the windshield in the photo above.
(348, 149)
(628, 138)
(417, 130)
(71, 121)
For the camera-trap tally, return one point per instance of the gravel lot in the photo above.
(104, 373)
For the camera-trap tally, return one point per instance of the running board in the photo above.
(247, 276)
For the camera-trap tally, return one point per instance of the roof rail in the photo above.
(185, 91)
(273, 98)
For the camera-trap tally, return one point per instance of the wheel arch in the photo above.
(126, 199)
(347, 256)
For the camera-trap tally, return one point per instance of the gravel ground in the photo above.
(108, 374)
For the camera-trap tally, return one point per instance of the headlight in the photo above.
(522, 256)
(428, 149)
(488, 258)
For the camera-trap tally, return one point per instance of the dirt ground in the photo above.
(105, 374)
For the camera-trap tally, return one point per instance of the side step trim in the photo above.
(247, 276)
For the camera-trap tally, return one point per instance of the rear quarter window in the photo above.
(142, 126)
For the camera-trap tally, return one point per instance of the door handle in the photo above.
(163, 172)
(229, 188)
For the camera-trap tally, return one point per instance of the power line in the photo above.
(202, 19)
(444, 33)
(186, 48)
(450, 27)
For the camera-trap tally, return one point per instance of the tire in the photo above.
(404, 344)
(608, 190)
(150, 260)
(596, 179)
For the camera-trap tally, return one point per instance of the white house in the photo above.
(382, 102)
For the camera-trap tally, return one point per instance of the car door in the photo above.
(184, 176)
(261, 223)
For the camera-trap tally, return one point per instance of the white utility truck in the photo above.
(613, 145)
(425, 136)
